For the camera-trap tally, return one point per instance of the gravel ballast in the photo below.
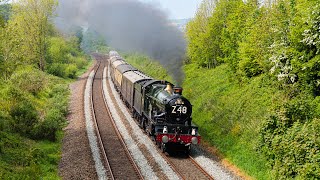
(91, 130)
(76, 159)
(137, 155)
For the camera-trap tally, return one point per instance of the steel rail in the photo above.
(121, 138)
(103, 152)
(200, 168)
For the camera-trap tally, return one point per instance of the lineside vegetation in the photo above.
(36, 65)
(261, 67)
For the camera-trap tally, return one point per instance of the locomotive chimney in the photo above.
(178, 90)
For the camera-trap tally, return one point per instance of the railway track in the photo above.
(185, 167)
(117, 159)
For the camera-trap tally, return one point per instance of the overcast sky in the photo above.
(177, 9)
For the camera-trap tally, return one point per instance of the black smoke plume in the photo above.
(130, 25)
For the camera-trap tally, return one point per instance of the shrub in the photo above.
(18, 159)
(4, 121)
(58, 98)
(24, 118)
(81, 62)
(71, 70)
(249, 67)
(290, 140)
(48, 128)
(57, 50)
(57, 69)
(57, 109)
(29, 79)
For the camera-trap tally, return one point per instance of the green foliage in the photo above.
(214, 37)
(255, 45)
(5, 12)
(64, 58)
(29, 79)
(25, 117)
(71, 71)
(58, 50)
(199, 45)
(79, 61)
(229, 114)
(57, 69)
(56, 110)
(10, 52)
(270, 50)
(24, 159)
(58, 98)
(35, 15)
(249, 67)
(33, 104)
(2, 120)
(289, 138)
(13, 150)
(48, 128)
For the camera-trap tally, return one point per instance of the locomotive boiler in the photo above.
(157, 105)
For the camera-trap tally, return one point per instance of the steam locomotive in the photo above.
(158, 106)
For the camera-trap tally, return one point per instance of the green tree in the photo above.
(258, 37)
(197, 34)
(10, 50)
(31, 20)
(236, 14)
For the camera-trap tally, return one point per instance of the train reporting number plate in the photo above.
(179, 109)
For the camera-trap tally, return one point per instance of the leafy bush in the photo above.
(17, 152)
(63, 70)
(249, 67)
(58, 98)
(52, 123)
(24, 118)
(71, 70)
(290, 141)
(4, 121)
(57, 69)
(57, 109)
(79, 61)
(58, 50)
(29, 79)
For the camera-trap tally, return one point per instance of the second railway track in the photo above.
(118, 161)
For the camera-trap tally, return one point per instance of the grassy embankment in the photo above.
(32, 150)
(229, 115)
